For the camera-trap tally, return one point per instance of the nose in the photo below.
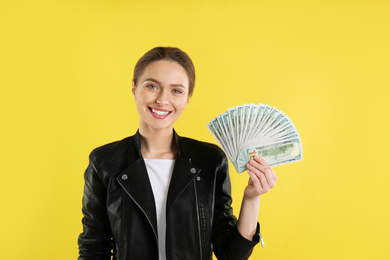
(162, 99)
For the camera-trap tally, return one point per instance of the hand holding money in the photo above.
(249, 130)
(262, 177)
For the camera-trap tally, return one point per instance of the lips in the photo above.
(159, 113)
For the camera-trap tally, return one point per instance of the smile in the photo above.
(159, 112)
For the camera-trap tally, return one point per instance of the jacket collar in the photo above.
(137, 142)
(135, 181)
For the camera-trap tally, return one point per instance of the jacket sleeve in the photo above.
(228, 244)
(95, 243)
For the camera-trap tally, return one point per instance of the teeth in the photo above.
(160, 113)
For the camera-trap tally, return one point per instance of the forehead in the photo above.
(166, 72)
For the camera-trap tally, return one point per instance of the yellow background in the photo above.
(66, 69)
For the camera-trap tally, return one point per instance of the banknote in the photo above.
(229, 131)
(246, 130)
(225, 133)
(239, 111)
(250, 113)
(218, 137)
(273, 154)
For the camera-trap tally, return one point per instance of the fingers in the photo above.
(260, 176)
(253, 180)
(263, 162)
(263, 167)
(258, 180)
(264, 173)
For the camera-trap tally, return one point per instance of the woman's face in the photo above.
(161, 94)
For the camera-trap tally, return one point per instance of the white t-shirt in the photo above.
(160, 173)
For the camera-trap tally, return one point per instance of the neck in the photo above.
(157, 143)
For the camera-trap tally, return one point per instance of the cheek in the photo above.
(182, 104)
(143, 97)
(141, 103)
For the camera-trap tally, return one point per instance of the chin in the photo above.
(159, 126)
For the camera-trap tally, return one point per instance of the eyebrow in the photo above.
(158, 82)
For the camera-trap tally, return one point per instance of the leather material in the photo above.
(120, 214)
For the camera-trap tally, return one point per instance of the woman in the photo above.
(156, 195)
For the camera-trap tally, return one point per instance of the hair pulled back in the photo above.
(169, 54)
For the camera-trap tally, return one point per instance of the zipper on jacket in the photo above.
(197, 213)
(262, 241)
(117, 252)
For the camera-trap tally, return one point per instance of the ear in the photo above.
(133, 89)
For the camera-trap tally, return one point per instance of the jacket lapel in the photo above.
(182, 175)
(135, 181)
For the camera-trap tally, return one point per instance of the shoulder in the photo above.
(201, 145)
(200, 149)
(111, 152)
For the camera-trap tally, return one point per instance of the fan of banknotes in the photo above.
(244, 131)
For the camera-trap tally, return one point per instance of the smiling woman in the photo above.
(156, 195)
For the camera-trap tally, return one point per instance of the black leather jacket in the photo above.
(119, 208)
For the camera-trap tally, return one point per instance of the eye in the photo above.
(177, 91)
(151, 86)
